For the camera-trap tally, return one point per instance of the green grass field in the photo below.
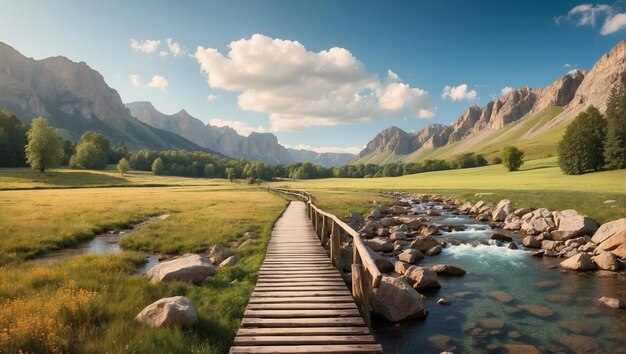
(87, 304)
(539, 183)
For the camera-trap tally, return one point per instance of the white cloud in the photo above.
(163, 53)
(158, 82)
(505, 90)
(147, 46)
(567, 65)
(354, 150)
(299, 88)
(458, 93)
(174, 47)
(212, 97)
(589, 15)
(134, 79)
(613, 24)
(241, 127)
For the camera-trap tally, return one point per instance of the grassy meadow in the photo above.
(539, 183)
(87, 304)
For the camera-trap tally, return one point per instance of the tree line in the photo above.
(591, 142)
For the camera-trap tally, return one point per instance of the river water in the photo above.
(535, 302)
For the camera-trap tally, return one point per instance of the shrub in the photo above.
(512, 158)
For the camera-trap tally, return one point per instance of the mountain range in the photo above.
(256, 146)
(533, 119)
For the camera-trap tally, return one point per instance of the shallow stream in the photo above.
(508, 297)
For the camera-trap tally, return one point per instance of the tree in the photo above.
(512, 158)
(158, 167)
(12, 140)
(88, 156)
(615, 145)
(92, 152)
(582, 146)
(230, 173)
(45, 147)
(123, 166)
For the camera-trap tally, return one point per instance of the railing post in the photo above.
(324, 235)
(335, 246)
(361, 293)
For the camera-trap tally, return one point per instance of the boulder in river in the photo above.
(447, 270)
(396, 301)
(190, 267)
(606, 261)
(379, 244)
(501, 296)
(429, 230)
(500, 237)
(218, 253)
(398, 236)
(424, 243)
(502, 210)
(537, 310)
(580, 327)
(611, 302)
(579, 262)
(411, 256)
(177, 310)
(382, 263)
(422, 277)
(611, 237)
(401, 267)
(434, 250)
(571, 223)
(531, 242)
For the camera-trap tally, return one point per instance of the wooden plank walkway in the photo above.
(301, 303)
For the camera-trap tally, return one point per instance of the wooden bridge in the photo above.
(301, 303)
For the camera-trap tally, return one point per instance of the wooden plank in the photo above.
(309, 349)
(300, 305)
(305, 339)
(301, 293)
(306, 283)
(300, 288)
(286, 331)
(301, 313)
(301, 299)
(303, 322)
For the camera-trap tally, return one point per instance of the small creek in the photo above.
(568, 318)
(105, 243)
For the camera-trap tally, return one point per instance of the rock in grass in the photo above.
(190, 267)
(230, 261)
(579, 262)
(396, 301)
(218, 253)
(177, 310)
(251, 235)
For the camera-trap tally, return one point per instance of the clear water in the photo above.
(577, 324)
(106, 243)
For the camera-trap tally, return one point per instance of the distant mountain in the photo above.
(257, 146)
(533, 119)
(75, 99)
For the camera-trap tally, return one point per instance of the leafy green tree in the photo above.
(88, 156)
(98, 139)
(209, 170)
(615, 145)
(582, 146)
(123, 166)
(12, 140)
(158, 167)
(230, 174)
(512, 158)
(45, 146)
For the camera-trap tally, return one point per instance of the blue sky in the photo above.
(392, 62)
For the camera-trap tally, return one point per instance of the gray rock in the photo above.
(424, 243)
(398, 235)
(251, 235)
(422, 277)
(502, 210)
(434, 250)
(571, 223)
(410, 256)
(230, 261)
(246, 243)
(379, 244)
(177, 310)
(531, 242)
(429, 230)
(611, 237)
(382, 263)
(190, 267)
(447, 270)
(500, 237)
(396, 301)
(218, 253)
(606, 261)
(579, 262)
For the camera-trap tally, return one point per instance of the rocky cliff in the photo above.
(74, 98)
(257, 146)
(574, 91)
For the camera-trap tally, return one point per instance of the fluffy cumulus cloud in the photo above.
(590, 14)
(212, 97)
(458, 93)
(158, 82)
(299, 88)
(241, 127)
(147, 46)
(354, 150)
(505, 90)
(134, 79)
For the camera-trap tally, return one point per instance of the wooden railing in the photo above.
(365, 274)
